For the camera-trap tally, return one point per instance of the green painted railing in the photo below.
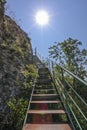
(72, 90)
(25, 120)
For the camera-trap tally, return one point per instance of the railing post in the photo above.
(53, 70)
(62, 74)
(65, 90)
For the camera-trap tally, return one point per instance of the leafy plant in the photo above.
(17, 112)
(69, 54)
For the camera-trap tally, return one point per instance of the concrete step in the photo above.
(56, 101)
(45, 95)
(47, 127)
(46, 112)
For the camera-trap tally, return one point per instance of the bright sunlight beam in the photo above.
(42, 17)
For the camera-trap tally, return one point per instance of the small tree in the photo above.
(69, 54)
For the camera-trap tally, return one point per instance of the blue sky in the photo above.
(68, 18)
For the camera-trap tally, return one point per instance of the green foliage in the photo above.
(17, 112)
(30, 74)
(30, 71)
(3, 1)
(18, 105)
(69, 54)
(55, 52)
(77, 112)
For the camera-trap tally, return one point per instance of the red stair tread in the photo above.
(46, 111)
(56, 101)
(47, 127)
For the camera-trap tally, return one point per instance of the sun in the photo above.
(42, 17)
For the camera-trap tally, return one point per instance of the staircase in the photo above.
(46, 110)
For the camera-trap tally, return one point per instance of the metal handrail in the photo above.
(78, 108)
(75, 118)
(28, 106)
(65, 96)
(77, 94)
(73, 75)
(58, 83)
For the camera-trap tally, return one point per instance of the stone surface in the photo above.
(15, 54)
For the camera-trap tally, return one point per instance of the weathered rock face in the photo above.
(2, 2)
(15, 54)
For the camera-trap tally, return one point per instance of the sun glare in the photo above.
(42, 17)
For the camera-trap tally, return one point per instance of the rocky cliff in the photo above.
(15, 55)
(2, 3)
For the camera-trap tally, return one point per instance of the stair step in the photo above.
(47, 127)
(56, 101)
(51, 116)
(45, 95)
(45, 89)
(42, 98)
(46, 111)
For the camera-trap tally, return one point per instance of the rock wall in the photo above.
(2, 2)
(15, 54)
